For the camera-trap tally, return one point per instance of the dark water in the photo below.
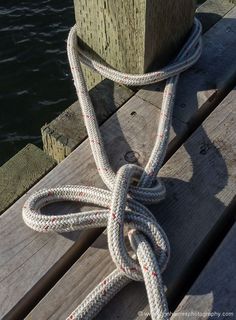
(35, 81)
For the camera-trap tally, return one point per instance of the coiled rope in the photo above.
(123, 202)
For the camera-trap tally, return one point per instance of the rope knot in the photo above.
(125, 210)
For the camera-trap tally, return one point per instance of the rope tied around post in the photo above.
(123, 203)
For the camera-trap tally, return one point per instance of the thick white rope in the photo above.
(123, 202)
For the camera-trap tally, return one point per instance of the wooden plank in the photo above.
(130, 35)
(214, 290)
(21, 172)
(67, 131)
(200, 181)
(211, 11)
(133, 128)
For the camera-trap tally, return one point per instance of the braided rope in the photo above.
(123, 202)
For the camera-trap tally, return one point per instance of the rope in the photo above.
(123, 203)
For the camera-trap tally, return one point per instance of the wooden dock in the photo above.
(45, 276)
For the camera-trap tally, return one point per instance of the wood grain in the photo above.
(129, 35)
(21, 172)
(215, 289)
(201, 181)
(204, 85)
(132, 35)
(62, 135)
(27, 256)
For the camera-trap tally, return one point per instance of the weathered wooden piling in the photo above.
(132, 35)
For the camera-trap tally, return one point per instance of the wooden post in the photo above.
(133, 35)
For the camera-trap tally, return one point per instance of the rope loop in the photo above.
(122, 204)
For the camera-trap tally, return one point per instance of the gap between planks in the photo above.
(29, 249)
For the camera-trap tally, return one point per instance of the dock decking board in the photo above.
(21, 172)
(212, 11)
(215, 288)
(24, 253)
(201, 181)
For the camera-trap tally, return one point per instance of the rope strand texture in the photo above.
(123, 203)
